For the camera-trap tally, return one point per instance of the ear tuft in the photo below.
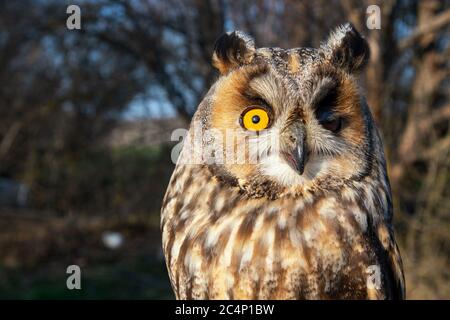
(346, 48)
(231, 50)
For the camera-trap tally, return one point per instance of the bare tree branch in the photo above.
(441, 114)
(439, 147)
(438, 22)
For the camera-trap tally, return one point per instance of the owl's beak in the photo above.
(294, 148)
(300, 157)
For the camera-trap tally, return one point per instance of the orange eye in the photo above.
(255, 119)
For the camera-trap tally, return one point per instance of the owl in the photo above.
(280, 190)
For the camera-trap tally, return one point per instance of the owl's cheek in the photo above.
(341, 167)
(347, 167)
(316, 166)
(276, 168)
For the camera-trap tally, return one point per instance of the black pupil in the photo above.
(255, 119)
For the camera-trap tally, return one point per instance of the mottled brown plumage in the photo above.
(312, 217)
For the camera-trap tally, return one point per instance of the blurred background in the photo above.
(86, 117)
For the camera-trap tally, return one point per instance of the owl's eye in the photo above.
(255, 118)
(333, 125)
(326, 115)
(328, 120)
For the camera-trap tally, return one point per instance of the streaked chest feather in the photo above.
(220, 244)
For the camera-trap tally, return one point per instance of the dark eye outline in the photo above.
(332, 124)
(328, 119)
(256, 106)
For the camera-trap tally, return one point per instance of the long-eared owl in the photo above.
(281, 189)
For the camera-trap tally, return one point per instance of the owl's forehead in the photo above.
(289, 75)
(291, 61)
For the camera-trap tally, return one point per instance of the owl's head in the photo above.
(289, 117)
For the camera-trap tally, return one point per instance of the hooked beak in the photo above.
(294, 149)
